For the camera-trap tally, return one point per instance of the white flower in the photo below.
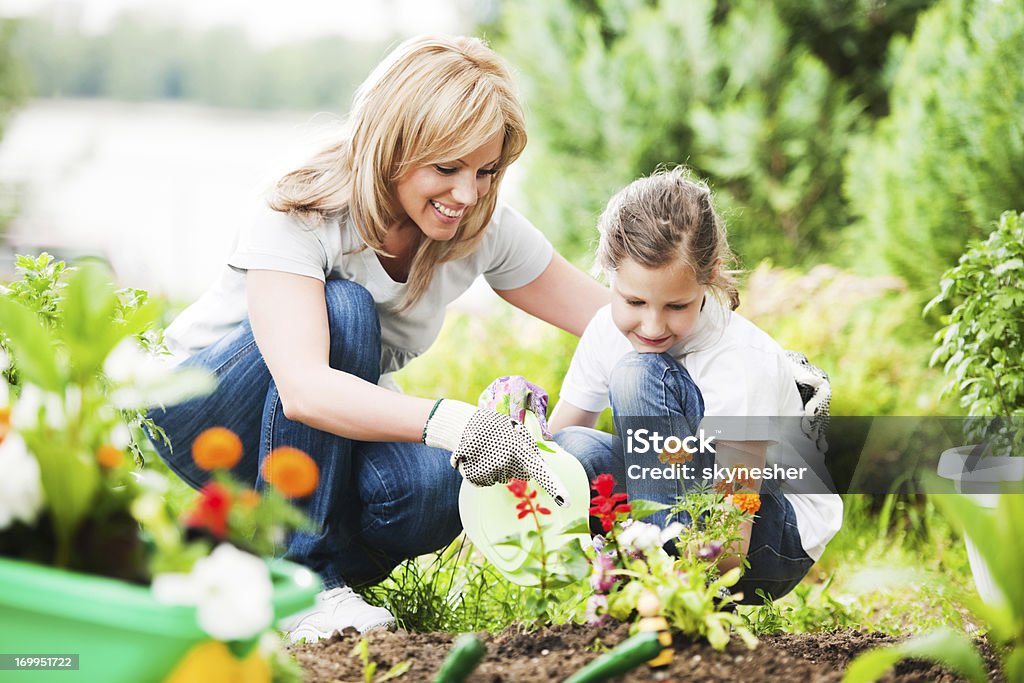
(21, 494)
(142, 379)
(55, 408)
(120, 436)
(151, 480)
(646, 537)
(231, 590)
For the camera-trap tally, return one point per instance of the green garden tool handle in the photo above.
(624, 657)
(465, 655)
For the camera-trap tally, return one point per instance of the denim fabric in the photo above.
(377, 504)
(645, 385)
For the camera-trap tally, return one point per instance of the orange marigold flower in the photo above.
(217, 448)
(5, 421)
(748, 502)
(109, 456)
(724, 487)
(291, 472)
(675, 457)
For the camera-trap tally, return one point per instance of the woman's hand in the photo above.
(489, 448)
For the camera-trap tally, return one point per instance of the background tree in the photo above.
(949, 159)
(752, 95)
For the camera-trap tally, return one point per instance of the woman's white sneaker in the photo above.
(335, 609)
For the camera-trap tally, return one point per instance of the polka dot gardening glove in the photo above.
(488, 448)
(816, 394)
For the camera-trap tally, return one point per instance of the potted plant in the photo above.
(982, 345)
(99, 570)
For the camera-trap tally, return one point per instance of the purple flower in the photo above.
(597, 607)
(602, 579)
(710, 551)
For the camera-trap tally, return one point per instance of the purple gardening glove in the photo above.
(513, 395)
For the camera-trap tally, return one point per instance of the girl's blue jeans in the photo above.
(645, 386)
(377, 503)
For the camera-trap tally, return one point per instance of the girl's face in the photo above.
(435, 197)
(655, 307)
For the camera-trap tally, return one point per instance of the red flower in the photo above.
(526, 506)
(211, 510)
(607, 505)
(517, 487)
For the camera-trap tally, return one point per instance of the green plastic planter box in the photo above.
(118, 630)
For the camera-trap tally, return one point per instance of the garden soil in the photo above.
(552, 654)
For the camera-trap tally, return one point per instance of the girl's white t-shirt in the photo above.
(511, 254)
(742, 373)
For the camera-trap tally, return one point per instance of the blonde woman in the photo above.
(342, 280)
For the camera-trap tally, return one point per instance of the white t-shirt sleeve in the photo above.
(517, 251)
(276, 241)
(586, 383)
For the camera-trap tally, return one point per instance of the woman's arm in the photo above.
(562, 295)
(289, 321)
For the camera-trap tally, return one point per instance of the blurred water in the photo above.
(158, 189)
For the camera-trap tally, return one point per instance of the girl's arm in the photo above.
(562, 295)
(747, 454)
(289, 321)
(566, 414)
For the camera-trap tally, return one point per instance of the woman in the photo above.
(341, 281)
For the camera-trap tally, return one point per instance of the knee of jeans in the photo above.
(355, 329)
(587, 446)
(641, 382)
(637, 370)
(408, 511)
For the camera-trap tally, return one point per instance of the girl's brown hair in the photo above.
(665, 217)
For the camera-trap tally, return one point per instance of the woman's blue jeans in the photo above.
(655, 391)
(377, 503)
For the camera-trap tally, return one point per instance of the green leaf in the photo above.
(718, 635)
(944, 646)
(90, 305)
(70, 477)
(397, 670)
(1006, 266)
(576, 526)
(996, 535)
(33, 345)
(640, 508)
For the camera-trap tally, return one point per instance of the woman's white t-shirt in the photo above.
(511, 254)
(742, 373)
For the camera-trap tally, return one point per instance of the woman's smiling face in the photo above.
(435, 197)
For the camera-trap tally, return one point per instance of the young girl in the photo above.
(343, 279)
(670, 355)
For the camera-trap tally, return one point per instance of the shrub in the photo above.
(950, 156)
(982, 343)
(730, 89)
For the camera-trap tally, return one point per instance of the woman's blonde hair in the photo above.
(431, 100)
(666, 217)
